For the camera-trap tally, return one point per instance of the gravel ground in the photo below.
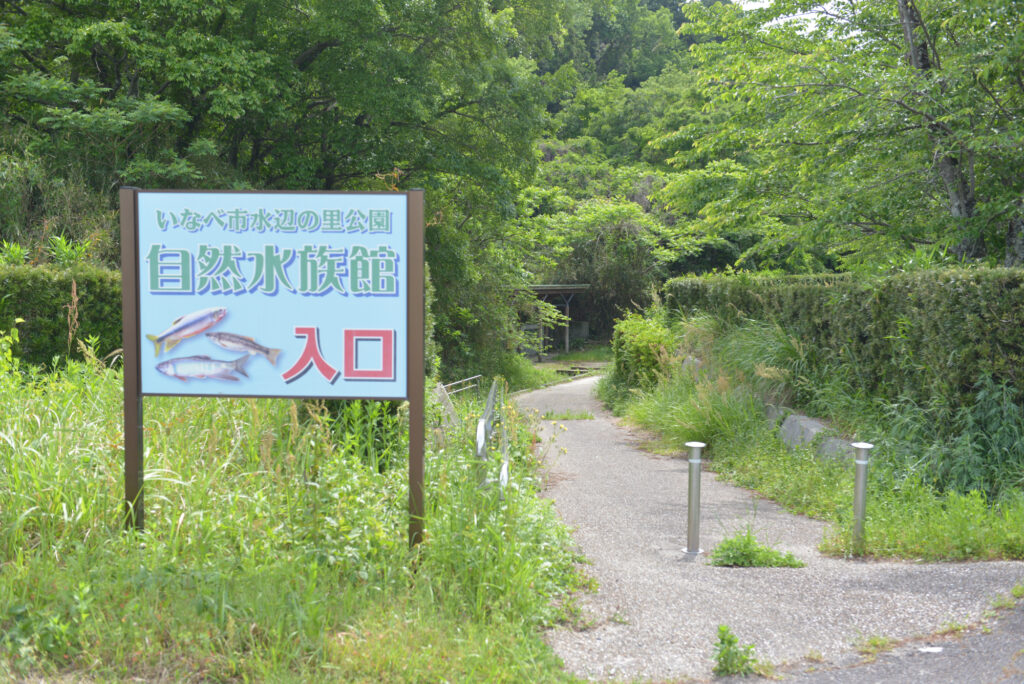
(656, 612)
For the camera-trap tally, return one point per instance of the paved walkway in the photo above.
(656, 612)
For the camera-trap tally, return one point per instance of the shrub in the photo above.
(927, 335)
(641, 350)
(60, 306)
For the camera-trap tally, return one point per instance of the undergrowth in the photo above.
(944, 482)
(275, 546)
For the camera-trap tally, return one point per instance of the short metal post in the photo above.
(693, 499)
(860, 494)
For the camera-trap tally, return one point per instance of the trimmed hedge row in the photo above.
(927, 335)
(42, 296)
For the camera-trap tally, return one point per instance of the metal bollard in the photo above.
(693, 499)
(860, 494)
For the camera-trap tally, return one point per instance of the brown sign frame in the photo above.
(134, 469)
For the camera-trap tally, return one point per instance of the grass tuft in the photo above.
(744, 551)
(567, 415)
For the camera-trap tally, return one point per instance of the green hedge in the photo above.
(42, 296)
(927, 335)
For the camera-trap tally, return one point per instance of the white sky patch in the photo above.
(809, 19)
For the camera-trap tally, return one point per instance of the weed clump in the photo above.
(730, 657)
(744, 551)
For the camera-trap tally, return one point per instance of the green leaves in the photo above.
(730, 657)
(744, 551)
(845, 142)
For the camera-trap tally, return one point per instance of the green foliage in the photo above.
(873, 645)
(614, 247)
(630, 37)
(59, 307)
(697, 406)
(595, 352)
(521, 374)
(927, 335)
(12, 254)
(600, 227)
(66, 253)
(975, 445)
(642, 350)
(480, 283)
(9, 363)
(858, 131)
(744, 551)
(368, 430)
(987, 451)
(271, 553)
(730, 657)
(567, 415)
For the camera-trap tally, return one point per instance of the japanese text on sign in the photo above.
(309, 270)
(276, 221)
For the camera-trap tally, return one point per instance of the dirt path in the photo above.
(657, 610)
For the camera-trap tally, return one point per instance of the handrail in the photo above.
(484, 431)
(464, 381)
(485, 426)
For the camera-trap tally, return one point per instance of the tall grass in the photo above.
(697, 405)
(274, 549)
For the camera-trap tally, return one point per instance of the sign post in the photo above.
(272, 294)
(133, 466)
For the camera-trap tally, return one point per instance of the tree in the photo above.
(315, 94)
(872, 126)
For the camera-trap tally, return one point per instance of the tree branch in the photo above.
(999, 105)
(307, 56)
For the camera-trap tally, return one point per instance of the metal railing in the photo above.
(462, 385)
(487, 426)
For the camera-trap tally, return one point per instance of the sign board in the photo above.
(272, 294)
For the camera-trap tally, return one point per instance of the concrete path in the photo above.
(656, 612)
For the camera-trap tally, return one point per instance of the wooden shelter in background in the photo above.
(562, 297)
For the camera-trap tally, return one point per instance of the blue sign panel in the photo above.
(273, 294)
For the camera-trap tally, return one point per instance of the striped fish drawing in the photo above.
(241, 343)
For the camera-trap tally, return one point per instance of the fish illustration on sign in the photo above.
(241, 343)
(187, 326)
(204, 367)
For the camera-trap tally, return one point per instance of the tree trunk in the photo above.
(917, 46)
(1014, 255)
(956, 175)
